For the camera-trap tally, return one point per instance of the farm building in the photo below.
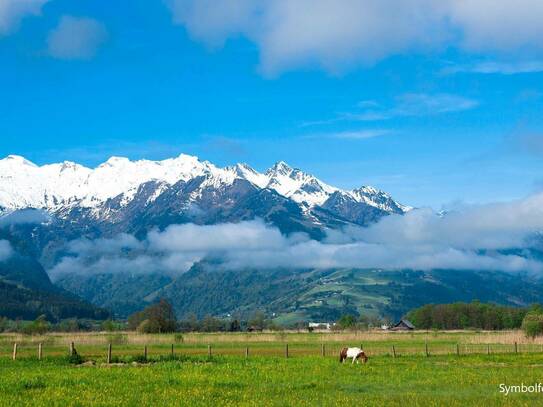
(403, 325)
(324, 326)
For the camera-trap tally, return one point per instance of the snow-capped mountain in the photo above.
(64, 186)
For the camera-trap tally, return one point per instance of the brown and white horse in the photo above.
(354, 353)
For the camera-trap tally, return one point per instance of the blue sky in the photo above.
(436, 110)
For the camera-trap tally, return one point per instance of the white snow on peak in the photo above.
(54, 186)
(297, 185)
(23, 184)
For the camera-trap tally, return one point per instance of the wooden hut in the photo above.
(403, 325)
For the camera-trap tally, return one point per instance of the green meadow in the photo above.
(310, 380)
(267, 377)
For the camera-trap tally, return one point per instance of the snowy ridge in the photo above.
(58, 186)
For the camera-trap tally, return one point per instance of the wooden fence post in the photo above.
(286, 350)
(14, 356)
(172, 350)
(426, 348)
(39, 351)
(323, 350)
(457, 350)
(516, 348)
(246, 352)
(488, 349)
(72, 348)
(109, 353)
(208, 351)
(145, 352)
(393, 352)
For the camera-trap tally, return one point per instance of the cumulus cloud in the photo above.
(338, 33)
(76, 38)
(13, 11)
(499, 237)
(5, 250)
(498, 24)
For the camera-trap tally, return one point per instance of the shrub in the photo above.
(75, 359)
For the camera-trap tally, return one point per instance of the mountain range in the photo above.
(47, 208)
(119, 184)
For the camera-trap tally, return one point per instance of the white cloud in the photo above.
(501, 25)
(76, 38)
(360, 134)
(336, 34)
(412, 104)
(406, 105)
(471, 238)
(497, 67)
(24, 216)
(5, 250)
(13, 11)
(421, 104)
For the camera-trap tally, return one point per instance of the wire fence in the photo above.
(289, 350)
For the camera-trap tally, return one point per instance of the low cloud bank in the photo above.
(470, 238)
(24, 216)
(5, 250)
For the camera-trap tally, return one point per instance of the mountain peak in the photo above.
(114, 162)
(280, 167)
(19, 160)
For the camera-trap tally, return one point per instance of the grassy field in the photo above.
(190, 377)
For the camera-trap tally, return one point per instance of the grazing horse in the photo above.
(354, 353)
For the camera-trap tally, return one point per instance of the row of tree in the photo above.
(474, 315)
(160, 317)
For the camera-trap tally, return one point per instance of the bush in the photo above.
(148, 327)
(75, 359)
(532, 325)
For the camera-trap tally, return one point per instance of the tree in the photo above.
(235, 326)
(212, 324)
(532, 325)
(346, 321)
(109, 325)
(156, 318)
(258, 321)
(37, 327)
